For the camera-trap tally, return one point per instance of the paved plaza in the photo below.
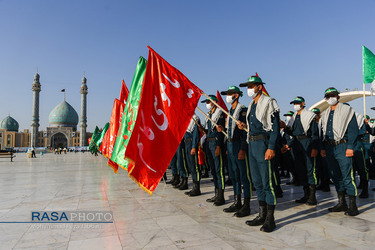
(167, 220)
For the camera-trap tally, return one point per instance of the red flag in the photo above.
(167, 104)
(220, 101)
(110, 137)
(264, 91)
(124, 92)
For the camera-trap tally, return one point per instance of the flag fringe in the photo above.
(114, 169)
(135, 180)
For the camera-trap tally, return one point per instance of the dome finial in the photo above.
(84, 80)
(36, 77)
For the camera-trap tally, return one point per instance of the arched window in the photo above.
(9, 140)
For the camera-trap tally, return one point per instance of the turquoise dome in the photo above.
(9, 124)
(63, 115)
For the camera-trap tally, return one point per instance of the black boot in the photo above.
(245, 209)
(312, 197)
(305, 196)
(180, 183)
(214, 197)
(235, 206)
(364, 193)
(220, 198)
(205, 173)
(172, 180)
(269, 224)
(177, 181)
(196, 189)
(341, 206)
(260, 219)
(353, 210)
(184, 185)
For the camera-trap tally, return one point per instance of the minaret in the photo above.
(35, 113)
(83, 125)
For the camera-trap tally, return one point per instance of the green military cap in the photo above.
(290, 113)
(331, 91)
(298, 99)
(213, 97)
(367, 117)
(252, 79)
(316, 110)
(232, 90)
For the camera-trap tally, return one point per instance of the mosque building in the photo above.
(62, 131)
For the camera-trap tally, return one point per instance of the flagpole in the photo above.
(364, 99)
(199, 125)
(217, 105)
(211, 120)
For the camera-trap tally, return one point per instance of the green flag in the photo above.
(92, 147)
(130, 115)
(101, 135)
(368, 65)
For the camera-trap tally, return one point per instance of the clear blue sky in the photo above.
(297, 47)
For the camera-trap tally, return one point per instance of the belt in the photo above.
(257, 137)
(188, 139)
(233, 140)
(302, 137)
(364, 140)
(335, 143)
(211, 139)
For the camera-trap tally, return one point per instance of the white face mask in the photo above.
(288, 119)
(230, 99)
(208, 106)
(297, 107)
(332, 101)
(251, 93)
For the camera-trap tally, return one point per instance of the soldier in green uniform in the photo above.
(340, 133)
(263, 124)
(238, 167)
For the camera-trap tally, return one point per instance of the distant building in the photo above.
(62, 131)
(9, 135)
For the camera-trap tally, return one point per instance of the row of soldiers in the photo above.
(255, 142)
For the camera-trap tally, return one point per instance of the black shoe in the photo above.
(269, 224)
(245, 209)
(220, 198)
(196, 189)
(364, 193)
(235, 206)
(205, 173)
(213, 199)
(184, 185)
(305, 196)
(352, 210)
(180, 183)
(177, 181)
(172, 180)
(341, 206)
(312, 197)
(261, 218)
